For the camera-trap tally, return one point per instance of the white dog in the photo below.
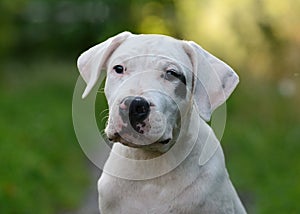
(165, 158)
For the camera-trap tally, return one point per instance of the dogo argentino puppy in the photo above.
(165, 158)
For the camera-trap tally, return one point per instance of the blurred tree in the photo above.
(60, 28)
(257, 36)
(65, 28)
(8, 33)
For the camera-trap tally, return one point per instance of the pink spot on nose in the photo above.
(123, 106)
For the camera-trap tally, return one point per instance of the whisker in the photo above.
(100, 91)
(104, 119)
(105, 111)
(102, 132)
(103, 115)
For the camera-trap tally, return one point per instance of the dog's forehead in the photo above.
(154, 45)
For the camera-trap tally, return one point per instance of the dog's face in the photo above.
(148, 88)
(152, 82)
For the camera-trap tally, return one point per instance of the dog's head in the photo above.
(152, 83)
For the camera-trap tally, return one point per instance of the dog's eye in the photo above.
(171, 74)
(119, 69)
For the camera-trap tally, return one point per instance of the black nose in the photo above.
(137, 109)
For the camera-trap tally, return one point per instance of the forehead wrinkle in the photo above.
(169, 60)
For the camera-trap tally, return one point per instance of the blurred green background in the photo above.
(42, 168)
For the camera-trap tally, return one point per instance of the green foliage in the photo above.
(261, 144)
(41, 168)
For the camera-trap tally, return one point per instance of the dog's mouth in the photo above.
(117, 138)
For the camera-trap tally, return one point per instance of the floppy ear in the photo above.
(214, 80)
(91, 62)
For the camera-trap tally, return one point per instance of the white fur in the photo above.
(190, 187)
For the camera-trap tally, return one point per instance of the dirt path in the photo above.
(89, 204)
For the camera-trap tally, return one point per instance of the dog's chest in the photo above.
(152, 196)
(129, 196)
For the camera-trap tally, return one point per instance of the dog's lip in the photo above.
(164, 141)
(118, 139)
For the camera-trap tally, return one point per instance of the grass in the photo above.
(42, 169)
(262, 147)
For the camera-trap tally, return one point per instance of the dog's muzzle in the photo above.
(136, 110)
(138, 123)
